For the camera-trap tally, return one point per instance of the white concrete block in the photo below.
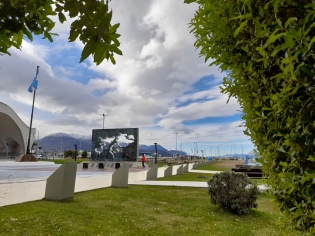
(153, 172)
(186, 168)
(137, 176)
(174, 171)
(180, 170)
(168, 171)
(161, 171)
(60, 185)
(120, 176)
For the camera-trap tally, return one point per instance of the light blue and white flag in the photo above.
(34, 84)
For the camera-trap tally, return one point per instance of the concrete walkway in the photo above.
(205, 171)
(14, 188)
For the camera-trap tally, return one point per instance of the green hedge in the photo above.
(267, 50)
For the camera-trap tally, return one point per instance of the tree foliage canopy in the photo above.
(84, 154)
(20, 18)
(267, 48)
(70, 153)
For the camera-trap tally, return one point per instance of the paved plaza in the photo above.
(26, 181)
(19, 172)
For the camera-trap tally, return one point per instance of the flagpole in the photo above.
(29, 134)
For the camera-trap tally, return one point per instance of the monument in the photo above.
(115, 144)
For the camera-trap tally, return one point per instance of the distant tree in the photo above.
(20, 18)
(69, 153)
(84, 154)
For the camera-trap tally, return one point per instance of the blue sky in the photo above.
(159, 85)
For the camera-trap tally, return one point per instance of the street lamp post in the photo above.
(176, 142)
(7, 147)
(37, 142)
(155, 153)
(80, 142)
(219, 149)
(61, 146)
(75, 152)
(242, 151)
(104, 119)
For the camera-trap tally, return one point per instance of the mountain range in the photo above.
(60, 142)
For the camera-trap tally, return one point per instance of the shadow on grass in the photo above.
(140, 210)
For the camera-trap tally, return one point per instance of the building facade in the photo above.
(13, 133)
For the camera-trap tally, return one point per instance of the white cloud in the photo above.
(150, 87)
(100, 84)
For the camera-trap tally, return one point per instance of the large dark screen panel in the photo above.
(115, 144)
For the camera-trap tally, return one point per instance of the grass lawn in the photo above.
(220, 165)
(260, 181)
(188, 177)
(160, 164)
(140, 210)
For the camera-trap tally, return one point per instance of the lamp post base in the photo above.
(26, 158)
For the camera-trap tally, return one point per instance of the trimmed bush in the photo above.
(233, 192)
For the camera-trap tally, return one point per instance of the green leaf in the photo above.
(114, 49)
(281, 175)
(114, 39)
(48, 36)
(311, 42)
(112, 59)
(73, 35)
(238, 30)
(246, 16)
(275, 5)
(289, 40)
(290, 20)
(18, 38)
(88, 49)
(279, 22)
(307, 72)
(276, 51)
(28, 34)
(99, 52)
(261, 51)
(286, 61)
(280, 149)
(189, 1)
(114, 28)
(62, 17)
(273, 38)
(257, 27)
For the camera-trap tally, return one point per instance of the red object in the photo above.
(143, 158)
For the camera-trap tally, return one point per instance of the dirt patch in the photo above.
(228, 164)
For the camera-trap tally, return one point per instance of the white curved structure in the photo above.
(13, 132)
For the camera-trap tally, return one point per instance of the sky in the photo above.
(160, 84)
